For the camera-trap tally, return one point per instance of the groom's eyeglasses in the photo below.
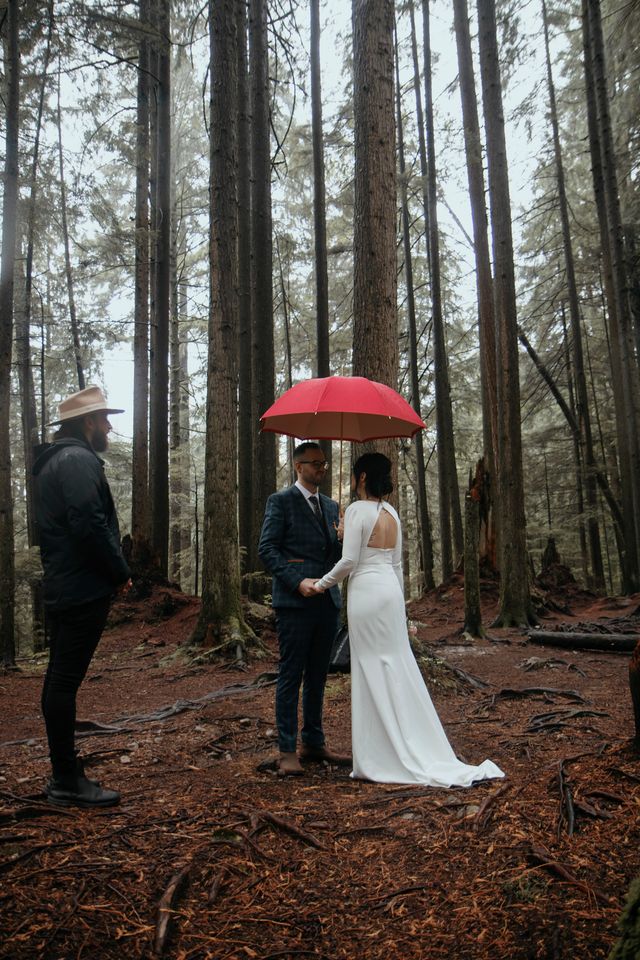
(316, 464)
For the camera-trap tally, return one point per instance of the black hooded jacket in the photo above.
(77, 525)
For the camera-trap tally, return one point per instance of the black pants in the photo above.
(73, 637)
(305, 636)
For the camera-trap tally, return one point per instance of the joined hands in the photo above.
(309, 588)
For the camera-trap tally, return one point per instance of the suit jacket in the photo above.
(293, 545)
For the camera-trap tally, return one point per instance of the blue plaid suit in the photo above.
(295, 545)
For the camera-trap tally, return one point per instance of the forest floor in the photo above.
(211, 855)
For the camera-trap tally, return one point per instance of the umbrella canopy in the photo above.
(341, 408)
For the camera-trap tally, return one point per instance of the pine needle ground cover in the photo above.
(211, 855)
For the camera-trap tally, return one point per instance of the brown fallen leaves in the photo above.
(209, 856)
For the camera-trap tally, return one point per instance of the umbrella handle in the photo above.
(340, 469)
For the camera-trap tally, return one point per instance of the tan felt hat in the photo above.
(89, 400)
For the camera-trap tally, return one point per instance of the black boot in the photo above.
(80, 771)
(77, 791)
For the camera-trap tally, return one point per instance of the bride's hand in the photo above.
(316, 588)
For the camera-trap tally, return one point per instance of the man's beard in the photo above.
(99, 440)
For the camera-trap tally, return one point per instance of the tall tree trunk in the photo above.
(375, 321)
(185, 438)
(159, 360)
(221, 614)
(284, 299)
(23, 331)
(323, 368)
(44, 344)
(7, 269)
(75, 335)
(577, 455)
(515, 603)
(178, 481)
(263, 363)
(154, 220)
(23, 351)
(426, 546)
(587, 458)
(472, 610)
(248, 540)
(196, 534)
(632, 260)
(451, 534)
(140, 532)
(484, 282)
(618, 532)
(284, 296)
(625, 373)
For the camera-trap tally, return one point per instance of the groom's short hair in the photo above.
(302, 448)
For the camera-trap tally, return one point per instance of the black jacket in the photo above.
(77, 526)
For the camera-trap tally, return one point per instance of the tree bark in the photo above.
(263, 362)
(178, 472)
(426, 545)
(159, 359)
(24, 353)
(634, 689)
(7, 272)
(140, 533)
(73, 319)
(515, 603)
(248, 539)
(221, 621)
(577, 457)
(23, 328)
(472, 612)
(584, 418)
(451, 534)
(375, 323)
(625, 373)
(323, 367)
(484, 282)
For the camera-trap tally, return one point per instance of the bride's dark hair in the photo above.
(377, 470)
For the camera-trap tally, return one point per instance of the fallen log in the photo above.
(619, 642)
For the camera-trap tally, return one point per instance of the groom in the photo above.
(298, 544)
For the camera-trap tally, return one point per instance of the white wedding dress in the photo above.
(396, 734)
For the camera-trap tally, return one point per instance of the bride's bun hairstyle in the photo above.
(377, 470)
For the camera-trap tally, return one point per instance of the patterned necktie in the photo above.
(317, 509)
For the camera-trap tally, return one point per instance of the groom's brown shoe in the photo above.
(320, 754)
(289, 765)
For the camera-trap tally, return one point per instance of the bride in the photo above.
(397, 736)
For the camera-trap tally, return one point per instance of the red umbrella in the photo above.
(341, 408)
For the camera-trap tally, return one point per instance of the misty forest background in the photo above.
(237, 196)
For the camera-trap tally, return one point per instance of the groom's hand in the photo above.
(305, 587)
